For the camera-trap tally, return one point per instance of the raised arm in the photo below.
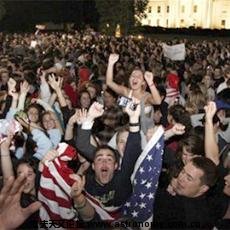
(70, 126)
(45, 93)
(6, 162)
(133, 145)
(155, 97)
(12, 92)
(56, 85)
(83, 145)
(177, 129)
(81, 204)
(210, 142)
(24, 89)
(119, 89)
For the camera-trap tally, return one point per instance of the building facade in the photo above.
(213, 14)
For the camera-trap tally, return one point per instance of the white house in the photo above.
(213, 14)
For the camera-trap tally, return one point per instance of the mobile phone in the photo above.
(123, 102)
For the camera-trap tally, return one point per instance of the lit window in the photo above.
(167, 9)
(150, 9)
(223, 23)
(167, 23)
(195, 9)
(182, 22)
(158, 9)
(158, 22)
(182, 9)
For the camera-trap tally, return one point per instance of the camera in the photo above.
(123, 102)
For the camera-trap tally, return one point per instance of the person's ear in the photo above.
(93, 167)
(116, 166)
(203, 189)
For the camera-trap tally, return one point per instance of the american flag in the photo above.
(139, 207)
(55, 188)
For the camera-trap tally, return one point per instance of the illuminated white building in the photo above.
(185, 13)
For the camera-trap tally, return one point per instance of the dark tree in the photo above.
(123, 12)
(2, 9)
(23, 15)
(140, 7)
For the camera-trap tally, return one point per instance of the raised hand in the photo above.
(11, 84)
(78, 186)
(210, 110)
(81, 116)
(55, 84)
(24, 87)
(73, 119)
(113, 58)
(95, 110)
(33, 100)
(148, 77)
(10, 205)
(178, 129)
(13, 94)
(6, 142)
(133, 113)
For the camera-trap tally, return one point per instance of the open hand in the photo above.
(95, 110)
(12, 214)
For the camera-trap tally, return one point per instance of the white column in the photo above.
(209, 14)
(177, 13)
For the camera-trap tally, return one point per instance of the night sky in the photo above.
(23, 15)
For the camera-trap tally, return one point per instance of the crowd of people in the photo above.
(77, 110)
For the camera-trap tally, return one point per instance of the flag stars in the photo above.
(127, 204)
(148, 185)
(134, 213)
(158, 145)
(149, 157)
(142, 205)
(151, 195)
(143, 181)
(141, 170)
(142, 195)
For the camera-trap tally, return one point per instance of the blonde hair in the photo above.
(196, 101)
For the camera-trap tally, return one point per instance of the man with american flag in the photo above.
(139, 207)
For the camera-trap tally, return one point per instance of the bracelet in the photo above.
(80, 206)
(151, 85)
(134, 124)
